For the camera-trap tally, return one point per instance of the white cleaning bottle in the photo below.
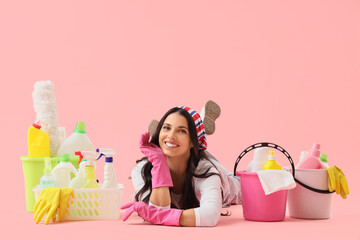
(47, 180)
(62, 171)
(79, 180)
(90, 175)
(110, 180)
(77, 141)
(259, 160)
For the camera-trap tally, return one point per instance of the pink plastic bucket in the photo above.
(256, 205)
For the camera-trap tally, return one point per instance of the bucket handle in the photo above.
(277, 147)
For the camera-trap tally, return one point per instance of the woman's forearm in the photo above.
(160, 197)
(187, 218)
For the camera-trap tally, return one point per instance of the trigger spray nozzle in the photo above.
(107, 152)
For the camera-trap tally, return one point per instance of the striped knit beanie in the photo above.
(199, 127)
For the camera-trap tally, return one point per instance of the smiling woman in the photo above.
(178, 182)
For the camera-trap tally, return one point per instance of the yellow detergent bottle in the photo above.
(90, 169)
(272, 163)
(38, 142)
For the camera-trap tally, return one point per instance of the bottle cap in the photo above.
(323, 157)
(65, 157)
(316, 146)
(109, 159)
(80, 127)
(36, 124)
(271, 156)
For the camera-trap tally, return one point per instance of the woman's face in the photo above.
(174, 137)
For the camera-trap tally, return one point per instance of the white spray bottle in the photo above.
(110, 180)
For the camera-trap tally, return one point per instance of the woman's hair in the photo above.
(188, 198)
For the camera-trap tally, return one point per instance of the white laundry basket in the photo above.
(93, 204)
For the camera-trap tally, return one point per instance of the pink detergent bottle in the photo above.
(312, 160)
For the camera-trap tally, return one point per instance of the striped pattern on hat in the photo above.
(199, 127)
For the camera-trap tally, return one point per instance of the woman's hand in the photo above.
(160, 172)
(154, 215)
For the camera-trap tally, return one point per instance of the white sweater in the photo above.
(207, 190)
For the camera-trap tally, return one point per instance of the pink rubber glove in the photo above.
(160, 172)
(154, 215)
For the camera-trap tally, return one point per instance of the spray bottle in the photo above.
(79, 180)
(272, 163)
(110, 180)
(90, 175)
(47, 180)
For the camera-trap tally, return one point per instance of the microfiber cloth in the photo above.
(275, 180)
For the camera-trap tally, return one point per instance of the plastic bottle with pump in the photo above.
(272, 163)
(90, 175)
(110, 180)
(312, 160)
(62, 171)
(259, 160)
(38, 141)
(79, 180)
(47, 180)
(324, 161)
(77, 141)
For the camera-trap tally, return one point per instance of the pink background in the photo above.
(282, 71)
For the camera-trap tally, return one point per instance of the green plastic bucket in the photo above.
(33, 169)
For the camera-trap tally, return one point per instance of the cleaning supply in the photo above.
(337, 181)
(65, 194)
(324, 161)
(38, 141)
(79, 180)
(47, 203)
(272, 163)
(77, 141)
(44, 103)
(152, 214)
(160, 171)
(62, 171)
(110, 180)
(312, 160)
(47, 180)
(276, 180)
(90, 170)
(259, 160)
(303, 154)
(52, 201)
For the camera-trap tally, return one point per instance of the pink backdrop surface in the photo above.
(282, 71)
